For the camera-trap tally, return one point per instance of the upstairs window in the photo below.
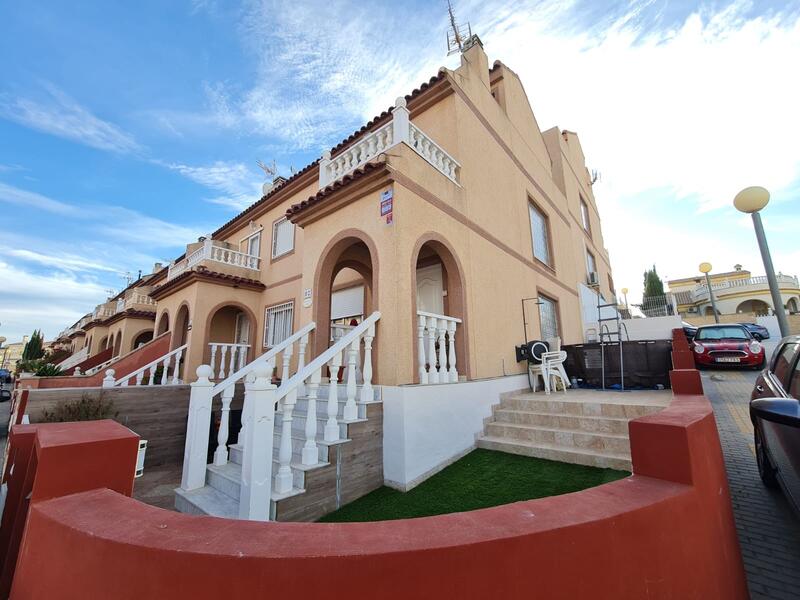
(591, 263)
(587, 224)
(252, 245)
(282, 237)
(540, 235)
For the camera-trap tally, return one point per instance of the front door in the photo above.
(242, 329)
(430, 289)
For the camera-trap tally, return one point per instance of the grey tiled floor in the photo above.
(769, 532)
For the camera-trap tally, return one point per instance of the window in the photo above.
(548, 317)
(783, 362)
(587, 224)
(540, 234)
(282, 237)
(278, 323)
(251, 245)
(722, 332)
(794, 384)
(591, 263)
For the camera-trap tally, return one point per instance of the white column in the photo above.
(221, 453)
(423, 374)
(176, 368)
(108, 380)
(196, 449)
(301, 362)
(400, 121)
(287, 357)
(440, 331)
(332, 425)
(213, 359)
(283, 479)
(223, 352)
(350, 412)
(324, 178)
(367, 394)
(256, 487)
(451, 331)
(310, 452)
(235, 352)
(164, 369)
(433, 372)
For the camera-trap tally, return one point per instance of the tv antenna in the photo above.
(270, 170)
(128, 277)
(595, 177)
(457, 35)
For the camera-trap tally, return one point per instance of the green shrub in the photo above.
(48, 370)
(34, 348)
(85, 409)
(30, 365)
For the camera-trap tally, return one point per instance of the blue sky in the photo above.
(127, 130)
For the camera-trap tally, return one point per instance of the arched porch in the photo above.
(753, 307)
(229, 338)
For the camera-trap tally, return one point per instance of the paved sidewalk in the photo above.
(769, 532)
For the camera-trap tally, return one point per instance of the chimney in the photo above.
(157, 267)
(737, 267)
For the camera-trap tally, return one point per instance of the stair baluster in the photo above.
(332, 425)
(367, 394)
(350, 411)
(221, 453)
(310, 452)
(283, 479)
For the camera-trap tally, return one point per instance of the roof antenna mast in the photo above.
(458, 36)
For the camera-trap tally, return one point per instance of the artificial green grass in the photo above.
(481, 479)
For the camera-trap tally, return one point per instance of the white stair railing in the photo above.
(231, 356)
(433, 330)
(310, 377)
(99, 367)
(256, 434)
(173, 357)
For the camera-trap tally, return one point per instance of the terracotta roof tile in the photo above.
(326, 191)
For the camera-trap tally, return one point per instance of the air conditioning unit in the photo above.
(693, 309)
(593, 279)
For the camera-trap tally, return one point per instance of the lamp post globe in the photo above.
(751, 200)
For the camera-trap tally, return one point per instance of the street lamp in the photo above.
(751, 200)
(625, 295)
(705, 268)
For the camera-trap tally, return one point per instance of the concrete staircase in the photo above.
(583, 427)
(347, 469)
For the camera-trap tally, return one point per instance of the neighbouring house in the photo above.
(736, 292)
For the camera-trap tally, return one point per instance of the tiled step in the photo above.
(568, 438)
(563, 421)
(579, 456)
(227, 479)
(565, 406)
(206, 501)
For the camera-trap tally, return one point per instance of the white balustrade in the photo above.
(247, 371)
(214, 253)
(150, 371)
(231, 357)
(371, 144)
(701, 291)
(332, 425)
(310, 455)
(283, 479)
(436, 350)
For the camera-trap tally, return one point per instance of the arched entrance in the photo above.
(142, 338)
(117, 343)
(229, 339)
(709, 312)
(348, 268)
(439, 318)
(753, 307)
(792, 305)
(180, 329)
(163, 324)
(103, 343)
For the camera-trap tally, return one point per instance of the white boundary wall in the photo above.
(427, 427)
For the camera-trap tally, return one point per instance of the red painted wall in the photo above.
(127, 364)
(93, 361)
(665, 532)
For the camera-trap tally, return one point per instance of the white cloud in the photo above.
(237, 182)
(60, 115)
(43, 301)
(32, 200)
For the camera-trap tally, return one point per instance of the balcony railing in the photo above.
(399, 129)
(701, 291)
(103, 312)
(213, 252)
(133, 299)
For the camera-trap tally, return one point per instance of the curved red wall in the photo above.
(665, 532)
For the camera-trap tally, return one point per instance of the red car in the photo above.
(727, 345)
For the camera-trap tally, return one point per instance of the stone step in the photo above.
(579, 407)
(299, 422)
(228, 479)
(578, 456)
(206, 501)
(568, 438)
(563, 421)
